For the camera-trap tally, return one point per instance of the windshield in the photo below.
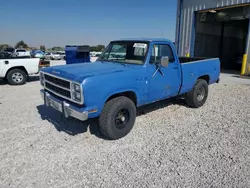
(125, 52)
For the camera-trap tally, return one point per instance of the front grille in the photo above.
(60, 87)
(58, 90)
(57, 81)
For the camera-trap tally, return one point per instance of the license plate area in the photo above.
(55, 105)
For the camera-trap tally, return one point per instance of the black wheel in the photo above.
(198, 96)
(117, 118)
(16, 77)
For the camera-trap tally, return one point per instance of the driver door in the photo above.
(165, 82)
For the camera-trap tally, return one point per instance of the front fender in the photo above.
(119, 91)
(97, 90)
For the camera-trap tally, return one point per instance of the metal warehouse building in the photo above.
(215, 28)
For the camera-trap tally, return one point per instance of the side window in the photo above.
(161, 50)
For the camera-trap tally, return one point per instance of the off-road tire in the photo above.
(192, 96)
(107, 119)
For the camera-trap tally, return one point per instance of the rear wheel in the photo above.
(16, 77)
(198, 96)
(117, 118)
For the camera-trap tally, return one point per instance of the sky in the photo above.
(77, 22)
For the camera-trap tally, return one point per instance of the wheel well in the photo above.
(18, 67)
(205, 77)
(130, 94)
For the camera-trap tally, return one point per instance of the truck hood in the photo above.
(81, 71)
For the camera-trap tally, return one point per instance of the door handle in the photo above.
(6, 62)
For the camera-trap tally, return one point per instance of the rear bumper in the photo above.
(62, 106)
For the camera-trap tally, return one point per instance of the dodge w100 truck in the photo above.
(128, 74)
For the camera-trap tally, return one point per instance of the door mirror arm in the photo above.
(158, 67)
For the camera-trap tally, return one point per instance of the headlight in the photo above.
(42, 78)
(77, 96)
(77, 87)
(76, 92)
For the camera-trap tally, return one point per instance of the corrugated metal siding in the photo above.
(187, 17)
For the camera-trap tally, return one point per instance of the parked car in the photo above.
(38, 54)
(63, 55)
(111, 89)
(17, 70)
(47, 55)
(21, 53)
(4, 54)
(9, 50)
(53, 55)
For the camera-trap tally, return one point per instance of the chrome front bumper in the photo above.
(63, 107)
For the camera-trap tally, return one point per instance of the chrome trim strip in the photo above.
(57, 85)
(59, 95)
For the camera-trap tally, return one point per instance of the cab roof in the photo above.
(145, 39)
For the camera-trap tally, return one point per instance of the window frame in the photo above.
(164, 44)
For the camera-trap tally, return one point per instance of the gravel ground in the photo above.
(170, 145)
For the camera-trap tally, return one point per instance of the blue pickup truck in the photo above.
(139, 72)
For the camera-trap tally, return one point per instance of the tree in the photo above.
(3, 46)
(57, 48)
(97, 48)
(21, 44)
(100, 47)
(42, 47)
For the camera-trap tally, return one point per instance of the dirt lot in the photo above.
(170, 145)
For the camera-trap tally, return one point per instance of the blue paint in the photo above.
(193, 70)
(103, 79)
(193, 32)
(158, 87)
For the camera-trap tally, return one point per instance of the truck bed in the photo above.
(16, 57)
(201, 67)
(191, 59)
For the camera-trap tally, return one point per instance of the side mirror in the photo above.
(164, 61)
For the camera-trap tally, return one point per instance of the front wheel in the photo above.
(117, 118)
(16, 77)
(198, 96)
